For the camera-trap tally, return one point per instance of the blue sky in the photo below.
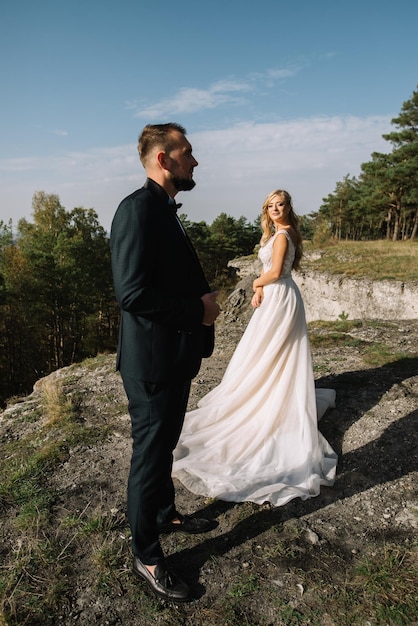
(273, 94)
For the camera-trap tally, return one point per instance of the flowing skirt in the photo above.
(255, 436)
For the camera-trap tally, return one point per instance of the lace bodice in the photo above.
(265, 255)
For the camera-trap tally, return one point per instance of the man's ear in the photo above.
(162, 159)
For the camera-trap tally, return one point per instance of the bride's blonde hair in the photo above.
(267, 225)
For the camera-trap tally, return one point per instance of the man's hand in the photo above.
(212, 308)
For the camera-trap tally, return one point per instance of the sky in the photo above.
(273, 94)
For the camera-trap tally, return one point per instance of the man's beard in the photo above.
(183, 184)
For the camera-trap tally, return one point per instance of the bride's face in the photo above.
(278, 210)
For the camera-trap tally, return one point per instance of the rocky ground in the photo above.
(345, 557)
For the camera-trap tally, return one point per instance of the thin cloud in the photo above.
(238, 166)
(245, 146)
(191, 100)
(280, 74)
(91, 164)
(301, 144)
(224, 92)
(59, 132)
(18, 165)
(242, 164)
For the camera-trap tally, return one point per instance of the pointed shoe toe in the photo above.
(165, 583)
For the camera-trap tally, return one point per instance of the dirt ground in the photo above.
(261, 565)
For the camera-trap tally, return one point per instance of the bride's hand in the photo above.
(257, 298)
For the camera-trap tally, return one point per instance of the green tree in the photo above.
(382, 202)
(229, 238)
(403, 169)
(225, 239)
(307, 226)
(339, 209)
(59, 302)
(16, 358)
(199, 233)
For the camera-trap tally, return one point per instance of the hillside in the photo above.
(348, 556)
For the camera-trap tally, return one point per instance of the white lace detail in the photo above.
(265, 255)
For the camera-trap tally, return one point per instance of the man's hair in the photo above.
(157, 135)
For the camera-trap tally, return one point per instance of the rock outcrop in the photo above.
(332, 296)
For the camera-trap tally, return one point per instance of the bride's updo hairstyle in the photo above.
(267, 225)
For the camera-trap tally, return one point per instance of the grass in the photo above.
(333, 339)
(33, 585)
(244, 586)
(99, 361)
(33, 578)
(58, 407)
(377, 588)
(26, 462)
(376, 260)
(382, 585)
(324, 334)
(47, 555)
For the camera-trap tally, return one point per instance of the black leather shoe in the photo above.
(188, 524)
(164, 584)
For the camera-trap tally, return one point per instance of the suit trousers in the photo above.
(157, 414)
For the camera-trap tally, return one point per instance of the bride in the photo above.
(255, 436)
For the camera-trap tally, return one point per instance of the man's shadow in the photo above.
(357, 393)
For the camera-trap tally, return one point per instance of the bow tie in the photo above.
(176, 206)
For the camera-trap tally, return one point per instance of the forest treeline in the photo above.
(57, 304)
(382, 202)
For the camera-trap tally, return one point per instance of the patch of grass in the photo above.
(22, 478)
(321, 368)
(101, 531)
(243, 587)
(34, 587)
(285, 545)
(379, 354)
(101, 522)
(30, 417)
(98, 362)
(377, 589)
(384, 585)
(342, 325)
(333, 339)
(26, 463)
(331, 334)
(33, 579)
(290, 616)
(107, 559)
(235, 607)
(58, 407)
(324, 334)
(118, 408)
(376, 260)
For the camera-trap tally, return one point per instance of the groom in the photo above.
(166, 328)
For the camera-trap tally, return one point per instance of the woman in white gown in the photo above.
(255, 436)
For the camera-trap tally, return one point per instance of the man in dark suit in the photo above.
(166, 328)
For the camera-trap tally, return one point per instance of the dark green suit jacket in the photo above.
(158, 284)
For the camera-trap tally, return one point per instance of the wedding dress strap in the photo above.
(284, 232)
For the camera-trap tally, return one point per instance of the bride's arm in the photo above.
(279, 252)
(258, 296)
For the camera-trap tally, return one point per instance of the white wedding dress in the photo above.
(255, 436)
